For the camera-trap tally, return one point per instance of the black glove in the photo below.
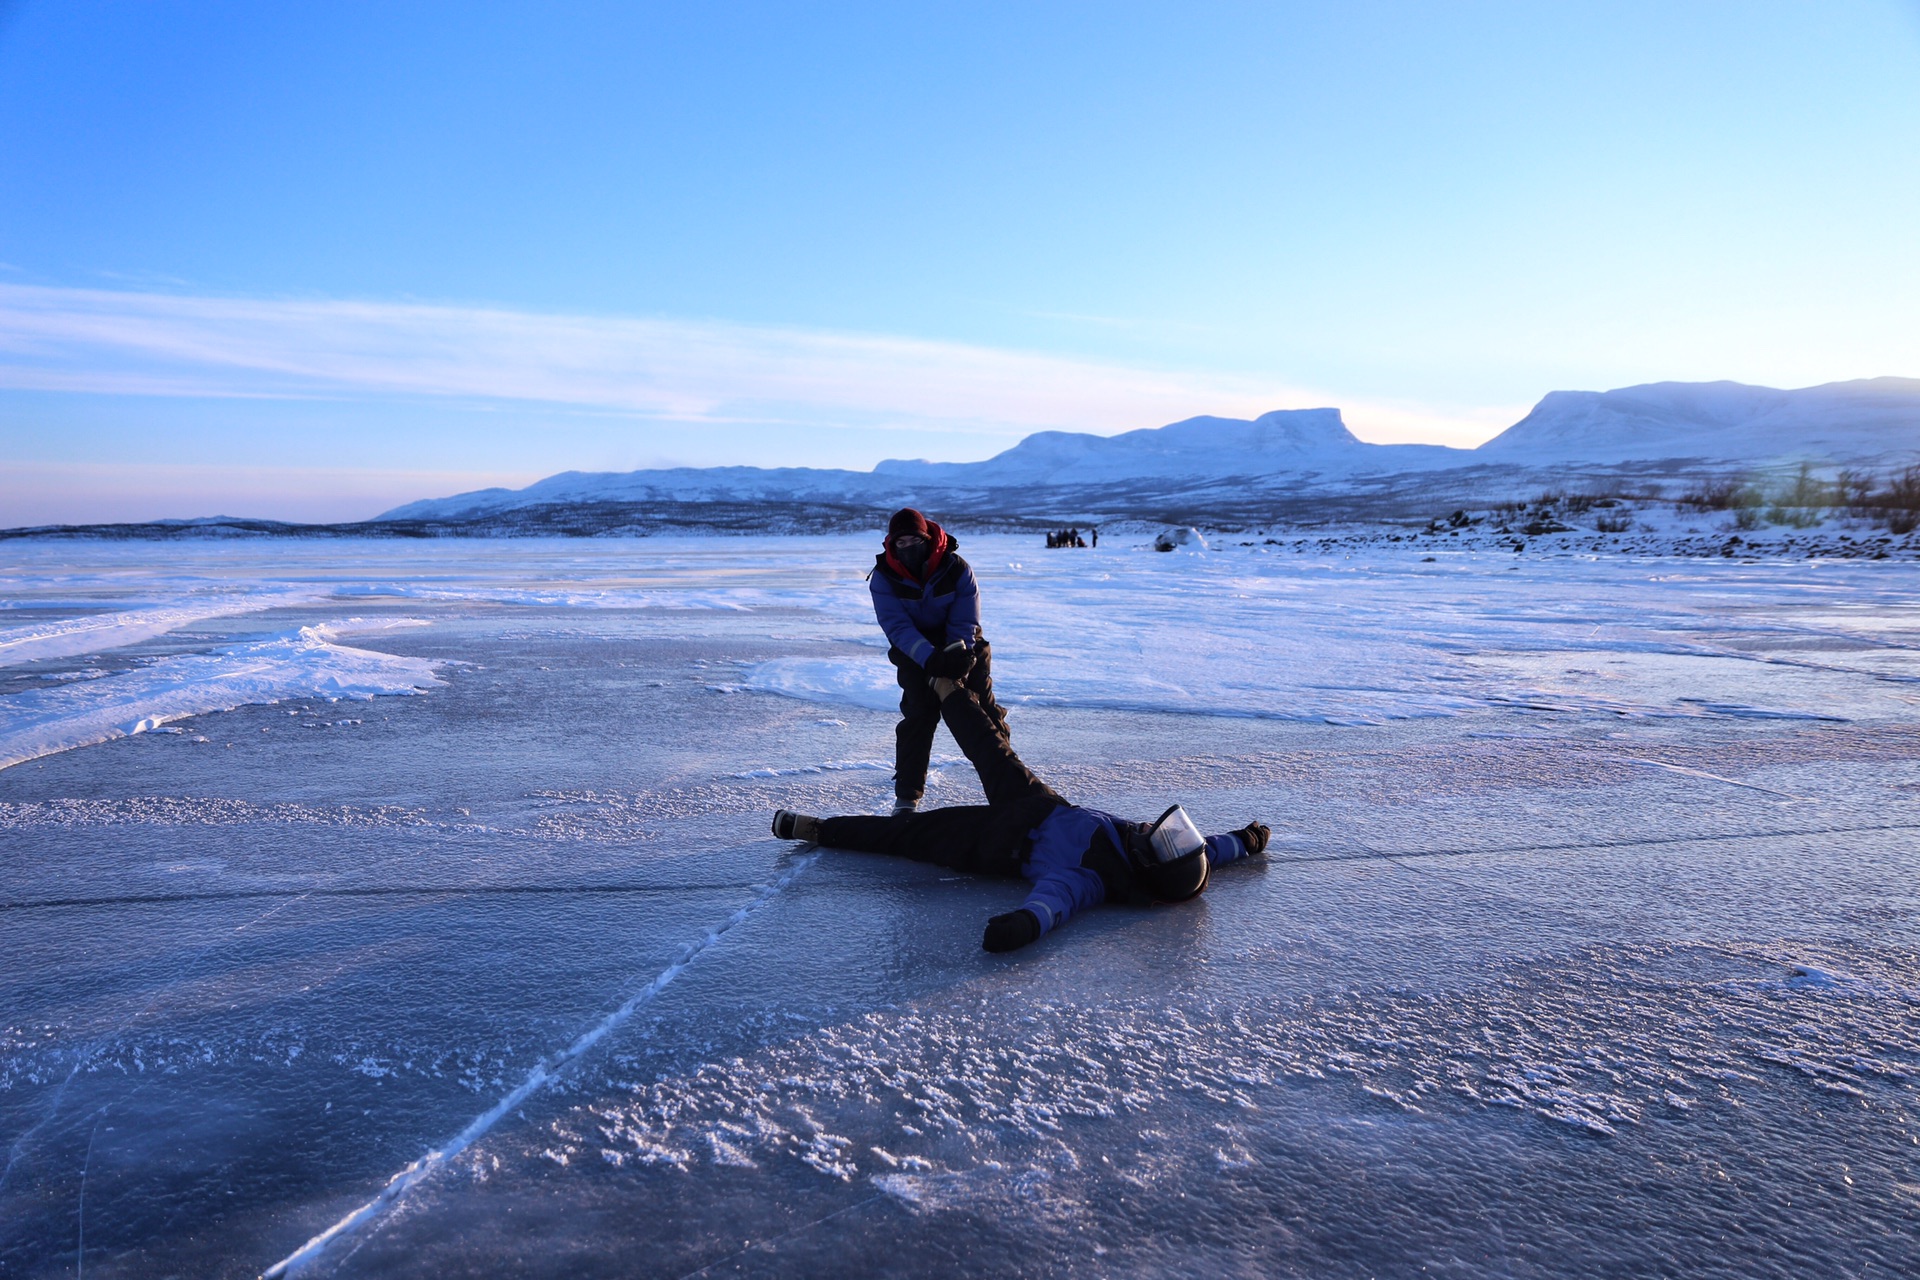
(1255, 835)
(1011, 931)
(951, 663)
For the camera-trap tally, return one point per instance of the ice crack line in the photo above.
(1585, 846)
(395, 891)
(1695, 773)
(543, 1073)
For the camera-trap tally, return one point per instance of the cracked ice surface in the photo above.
(1587, 943)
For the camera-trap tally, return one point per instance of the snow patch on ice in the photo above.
(1595, 1041)
(96, 633)
(870, 685)
(205, 811)
(843, 766)
(306, 663)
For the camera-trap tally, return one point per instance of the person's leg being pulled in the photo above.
(1003, 775)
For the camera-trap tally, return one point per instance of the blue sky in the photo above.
(313, 261)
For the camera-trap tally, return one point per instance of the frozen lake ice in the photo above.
(1589, 941)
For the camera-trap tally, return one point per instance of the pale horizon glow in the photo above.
(48, 493)
(697, 375)
(712, 373)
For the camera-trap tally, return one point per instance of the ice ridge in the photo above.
(95, 633)
(306, 663)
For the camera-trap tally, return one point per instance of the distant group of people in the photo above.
(928, 604)
(1072, 538)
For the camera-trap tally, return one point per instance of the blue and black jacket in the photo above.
(929, 611)
(1075, 862)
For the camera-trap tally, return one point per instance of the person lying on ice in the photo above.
(929, 605)
(1075, 857)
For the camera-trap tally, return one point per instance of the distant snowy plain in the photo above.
(387, 908)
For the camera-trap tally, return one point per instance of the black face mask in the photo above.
(915, 556)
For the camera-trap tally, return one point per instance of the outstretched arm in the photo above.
(1249, 841)
(1055, 899)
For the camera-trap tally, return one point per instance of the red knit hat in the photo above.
(907, 520)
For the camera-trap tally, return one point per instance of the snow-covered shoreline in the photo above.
(1582, 525)
(1614, 527)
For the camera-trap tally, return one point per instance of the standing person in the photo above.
(928, 603)
(1075, 858)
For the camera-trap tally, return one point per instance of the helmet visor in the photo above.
(1174, 836)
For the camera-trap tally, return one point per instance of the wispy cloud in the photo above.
(148, 343)
(164, 344)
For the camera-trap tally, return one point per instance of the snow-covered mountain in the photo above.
(1290, 442)
(1295, 446)
(1875, 422)
(1869, 421)
(677, 484)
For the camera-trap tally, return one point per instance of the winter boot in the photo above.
(1255, 836)
(788, 825)
(905, 807)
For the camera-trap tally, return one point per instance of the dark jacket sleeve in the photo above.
(1063, 893)
(964, 618)
(894, 621)
(1226, 848)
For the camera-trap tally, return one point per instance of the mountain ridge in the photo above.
(1705, 425)
(1730, 421)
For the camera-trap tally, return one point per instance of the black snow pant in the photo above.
(985, 839)
(920, 716)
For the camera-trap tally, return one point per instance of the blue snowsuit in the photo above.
(1074, 857)
(922, 613)
(922, 616)
(1065, 855)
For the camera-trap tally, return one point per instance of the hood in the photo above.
(942, 547)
